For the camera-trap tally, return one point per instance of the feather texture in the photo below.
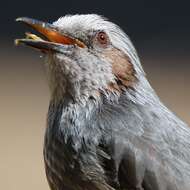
(113, 141)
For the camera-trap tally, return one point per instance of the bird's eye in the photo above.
(102, 38)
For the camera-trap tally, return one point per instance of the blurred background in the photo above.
(160, 31)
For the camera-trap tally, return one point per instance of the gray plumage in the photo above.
(98, 139)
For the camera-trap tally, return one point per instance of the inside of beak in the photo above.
(50, 32)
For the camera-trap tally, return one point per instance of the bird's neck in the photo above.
(61, 89)
(75, 94)
(71, 118)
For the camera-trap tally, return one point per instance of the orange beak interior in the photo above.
(50, 33)
(56, 37)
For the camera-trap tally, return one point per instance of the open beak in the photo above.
(55, 41)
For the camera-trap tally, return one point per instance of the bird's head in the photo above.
(86, 56)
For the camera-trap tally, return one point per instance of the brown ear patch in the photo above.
(122, 68)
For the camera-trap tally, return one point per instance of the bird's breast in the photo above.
(70, 149)
(60, 162)
(58, 158)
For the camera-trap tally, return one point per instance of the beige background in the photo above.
(24, 103)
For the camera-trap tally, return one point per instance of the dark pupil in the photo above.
(102, 37)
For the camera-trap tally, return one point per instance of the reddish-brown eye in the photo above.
(102, 38)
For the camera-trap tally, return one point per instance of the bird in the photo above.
(106, 127)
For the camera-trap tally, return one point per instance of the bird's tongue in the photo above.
(49, 31)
